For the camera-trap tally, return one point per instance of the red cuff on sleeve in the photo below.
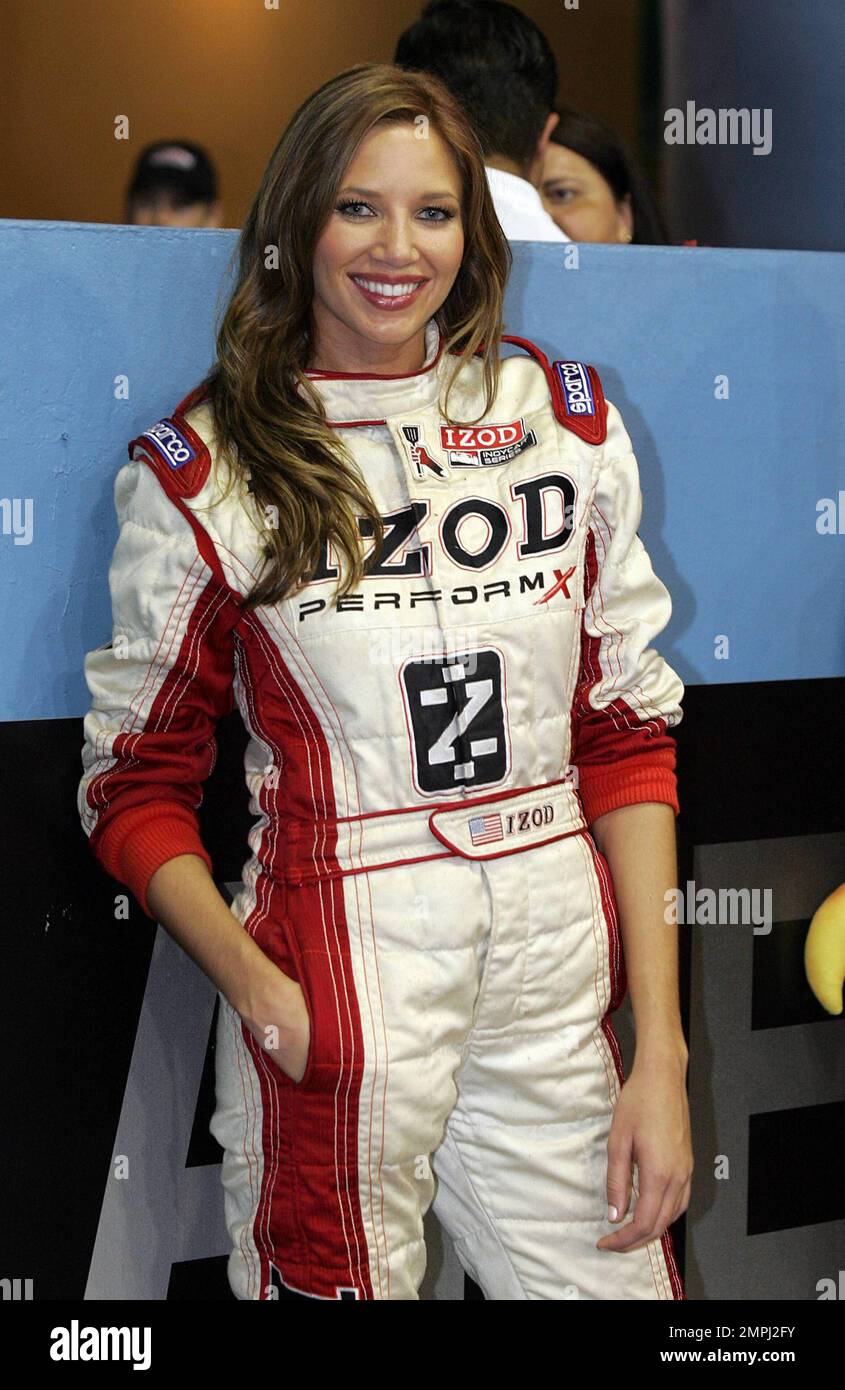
(607, 788)
(145, 837)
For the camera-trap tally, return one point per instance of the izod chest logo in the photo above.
(482, 446)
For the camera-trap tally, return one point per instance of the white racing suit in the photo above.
(424, 764)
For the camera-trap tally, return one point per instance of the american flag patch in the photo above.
(483, 829)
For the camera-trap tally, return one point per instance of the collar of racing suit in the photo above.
(355, 398)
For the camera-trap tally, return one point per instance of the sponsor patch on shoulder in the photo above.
(577, 389)
(171, 443)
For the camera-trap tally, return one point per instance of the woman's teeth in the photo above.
(389, 291)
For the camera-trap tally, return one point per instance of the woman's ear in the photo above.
(626, 218)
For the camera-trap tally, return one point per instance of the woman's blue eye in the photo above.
(356, 209)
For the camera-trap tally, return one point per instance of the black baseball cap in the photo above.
(177, 168)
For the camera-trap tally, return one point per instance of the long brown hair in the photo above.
(268, 419)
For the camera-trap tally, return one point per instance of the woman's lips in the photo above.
(387, 294)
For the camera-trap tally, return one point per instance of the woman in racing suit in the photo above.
(414, 565)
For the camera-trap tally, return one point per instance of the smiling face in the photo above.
(580, 200)
(389, 253)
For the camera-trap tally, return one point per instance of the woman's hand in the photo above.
(184, 897)
(651, 1127)
(275, 1013)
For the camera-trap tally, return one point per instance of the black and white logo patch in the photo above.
(423, 464)
(457, 720)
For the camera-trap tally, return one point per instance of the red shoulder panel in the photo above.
(576, 392)
(181, 462)
(177, 454)
(199, 393)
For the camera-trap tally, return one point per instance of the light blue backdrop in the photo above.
(731, 485)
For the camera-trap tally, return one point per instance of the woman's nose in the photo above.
(396, 241)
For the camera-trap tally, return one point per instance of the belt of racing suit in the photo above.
(508, 822)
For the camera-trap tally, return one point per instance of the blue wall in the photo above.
(731, 486)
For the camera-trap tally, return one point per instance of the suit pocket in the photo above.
(317, 976)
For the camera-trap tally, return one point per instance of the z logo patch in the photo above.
(456, 719)
(484, 446)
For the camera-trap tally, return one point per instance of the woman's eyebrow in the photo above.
(376, 193)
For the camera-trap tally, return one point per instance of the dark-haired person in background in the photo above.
(593, 187)
(174, 184)
(500, 67)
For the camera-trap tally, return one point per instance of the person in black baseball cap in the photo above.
(174, 185)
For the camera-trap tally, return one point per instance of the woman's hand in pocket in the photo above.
(276, 1015)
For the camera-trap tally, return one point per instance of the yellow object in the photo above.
(824, 951)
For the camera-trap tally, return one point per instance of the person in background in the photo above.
(500, 67)
(174, 185)
(593, 187)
